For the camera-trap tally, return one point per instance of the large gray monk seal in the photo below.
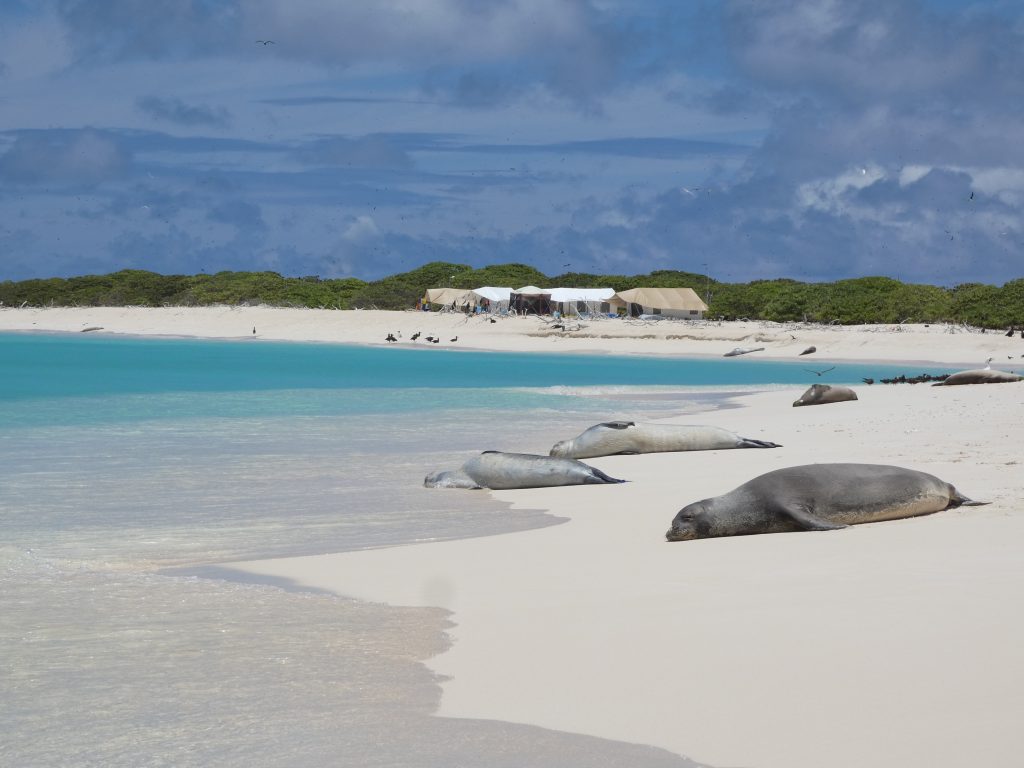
(978, 376)
(821, 394)
(503, 471)
(614, 437)
(816, 497)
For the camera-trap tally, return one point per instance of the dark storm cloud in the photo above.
(177, 111)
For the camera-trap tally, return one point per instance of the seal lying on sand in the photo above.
(742, 351)
(613, 437)
(817, 497)
(503, 471)
(820, 394)
(979, 376)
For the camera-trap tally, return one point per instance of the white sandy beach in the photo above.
(893, 644)
(906, 343)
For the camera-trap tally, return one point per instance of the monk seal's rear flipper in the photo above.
(600, 477)
(749, 442)
(618, 424)
(962, 501)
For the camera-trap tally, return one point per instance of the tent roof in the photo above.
(664, 298)
(492, 293)
(460, 296)
(581, 294)
(532, 290)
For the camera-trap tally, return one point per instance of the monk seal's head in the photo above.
(694, 521)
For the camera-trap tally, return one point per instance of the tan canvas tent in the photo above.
(668, 302)
(450, 297)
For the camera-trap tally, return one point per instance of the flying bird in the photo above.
(818, 373)
(266, 42)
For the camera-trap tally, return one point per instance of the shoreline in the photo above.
(597, 626)
(881, 344)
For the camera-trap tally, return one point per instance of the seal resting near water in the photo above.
(742, 351)
(615, 437)
(817, 497)
(505, 471)
(979, 376)
(821, 394)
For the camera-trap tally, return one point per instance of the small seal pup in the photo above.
(505, 471)
(820, 394)
(817, 497)
(978, 376)
(615, 437)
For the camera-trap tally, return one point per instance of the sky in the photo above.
(747, 139)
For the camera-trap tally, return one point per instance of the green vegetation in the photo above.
(862, 300)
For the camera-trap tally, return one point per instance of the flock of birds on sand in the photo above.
(432, 339)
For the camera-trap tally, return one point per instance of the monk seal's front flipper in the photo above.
(806, 519)
(617, 424)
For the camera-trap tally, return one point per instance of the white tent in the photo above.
(497, 297)
(575, 301)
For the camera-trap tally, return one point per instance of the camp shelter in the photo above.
(456, 298)
(531, 300)
(493, 299)
(667, 302)
(578, 301)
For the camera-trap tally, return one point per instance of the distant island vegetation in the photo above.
(858, 300)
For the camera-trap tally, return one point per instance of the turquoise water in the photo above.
(123, 458)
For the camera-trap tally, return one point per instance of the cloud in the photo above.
(177, 111)
(872, 51)
(239, 213)
(363, 228)
(479, 52)
(87, 157)
(374, 151)
(118, 30)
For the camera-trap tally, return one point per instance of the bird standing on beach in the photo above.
(455, 339)
(415, 336)
(390, 337)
